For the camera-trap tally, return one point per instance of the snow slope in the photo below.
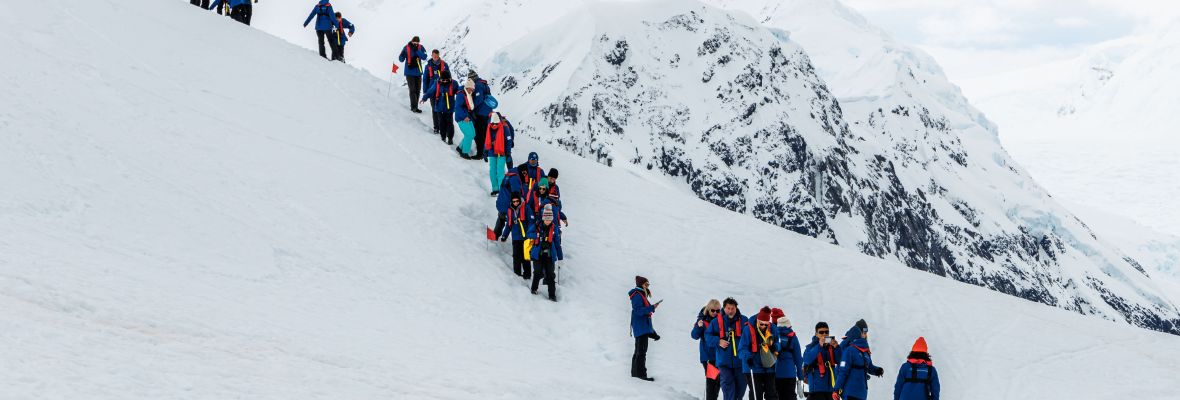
(1106, 115)
(241, 219)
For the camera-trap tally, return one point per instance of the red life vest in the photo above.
(438, 92)
(738, 332)
(641, 296)
(411, 58)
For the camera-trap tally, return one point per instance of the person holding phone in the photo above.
(819, 363)
(641, 327)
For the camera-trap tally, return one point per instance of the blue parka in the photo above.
(444, 95)
(492, 137)
(433, 71)
(790, 359)
(413, 57)
(545, 234)
(852, 376)
(482, 91)
(511, 183)
(916, 380)
(516, 223)
(750, 344)
(641, 310)
(343, 25)
(461, 110)
(727, 328)
(820, 362)
(698, 334)
(324, 16)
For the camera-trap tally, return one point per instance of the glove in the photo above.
(879, 372)
(655, 336)
(504, 239)
(799, 389)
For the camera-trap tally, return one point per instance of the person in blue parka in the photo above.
(917, 379)
(819, 363)
(324, 20)
(443, 92)
(789, 368)
(759, 353)
(239, 10)
(723, 336)
(856, 364)
(465, 118)
(500, 140)
(641, 326)
(706, 317)
(413, 54)
(341, 37)
(433, 71)
(517, 220)
(545, 234)
(483, 111)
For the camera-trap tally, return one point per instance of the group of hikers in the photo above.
(764, 353)
(331, 27)
(238, 10)
(528, 200)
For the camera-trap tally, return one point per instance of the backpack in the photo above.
(913, 378)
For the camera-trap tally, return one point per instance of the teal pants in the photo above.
(468, 130)
(496, 171)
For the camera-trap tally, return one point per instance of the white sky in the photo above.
(974, 38)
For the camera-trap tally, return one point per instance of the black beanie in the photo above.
(515, 195)
(821, 324)
(552, 172)
(415, 39)
(862, 324)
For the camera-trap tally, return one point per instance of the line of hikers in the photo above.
(764, 354)
(528, 200)
(238, 10)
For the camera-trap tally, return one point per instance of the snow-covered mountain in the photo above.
(206, 224)
(868, 146)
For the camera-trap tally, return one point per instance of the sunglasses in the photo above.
(822, 332)
(715, 310)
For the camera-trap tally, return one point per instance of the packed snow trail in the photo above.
(197, 210)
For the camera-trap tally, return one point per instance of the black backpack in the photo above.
(913, 378)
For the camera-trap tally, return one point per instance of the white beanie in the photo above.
(495, 118)
(469, 84)
(784, 322)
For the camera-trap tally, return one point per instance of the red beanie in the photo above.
(920, 345)
(775, 314)
(764, 314)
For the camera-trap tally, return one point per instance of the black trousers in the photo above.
(435, 115)
(338, 48)
(414, 83)
(764, 388)
(819, 395)
(785, 387)
(520, 266)
(330, 38)
(501, 219)
(712, 386)
(242, 13)
(200, 3)
(544, 269)
(480, 123)
(639, 358)
(446, 126)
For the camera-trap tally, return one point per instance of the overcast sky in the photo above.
(972, 38)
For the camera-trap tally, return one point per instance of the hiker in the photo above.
(819, 363)
(856, 364)
(641, 327)
(323, 13)
(464, 114)
(917, 379)
(554, 191)
(517, 217)
(434, 69)
(705, 317)
(723, 335)
(759, 352)
(789, 367)
(443, 92)
(239, 10)
(483, 111)
(412, 55)
(530, 171)
(510, 185)
(341, 38)
(499, 145)
(546, 250)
